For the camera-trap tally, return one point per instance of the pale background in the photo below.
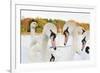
(5, 37)
(54, 15)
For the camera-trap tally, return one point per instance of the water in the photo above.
(63, 53)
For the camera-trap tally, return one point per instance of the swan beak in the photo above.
(53, 37)
(83, 45)
(53, 42)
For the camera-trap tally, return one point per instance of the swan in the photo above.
(69, 31)
(40, 52)
(35, 48)
(34, 42)
(73, 30)
(85, 38)
(49, 32)
(84, 54)
(81, 37)
(33, 25)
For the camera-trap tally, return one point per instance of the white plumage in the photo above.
(39, 52)
(76, 32)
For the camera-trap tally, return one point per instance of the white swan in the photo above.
(35, 48)
(49, 32)
(34, 42)
(40, 52)
(33, 25)
(73, 29)
(84, 54)
(69, 33)
(68, 30)
(85, 39)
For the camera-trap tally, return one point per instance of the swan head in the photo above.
(50, 31)
(82, 37)
(33, 25)
(68, 30)
(85, 38)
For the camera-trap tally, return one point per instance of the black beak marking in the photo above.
(52, 58)
(66, 31)
(52, 35)
(83, 31)
(83, 42)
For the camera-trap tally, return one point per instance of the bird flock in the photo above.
(39, 51)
